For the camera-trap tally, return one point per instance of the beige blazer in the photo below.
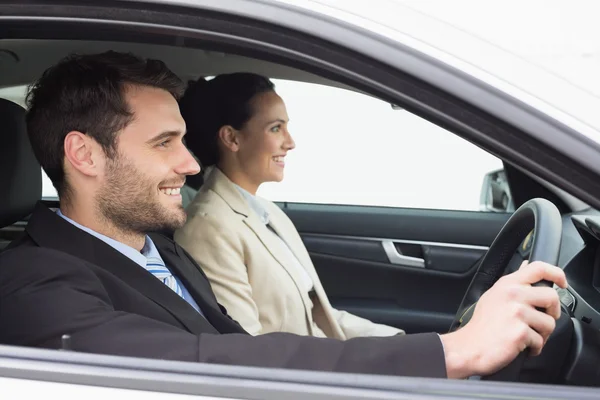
(250, 272)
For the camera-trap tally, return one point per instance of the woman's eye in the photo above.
(276, 128)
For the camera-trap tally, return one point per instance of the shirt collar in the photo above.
(139, 258)
(255, 204)
(150, 250)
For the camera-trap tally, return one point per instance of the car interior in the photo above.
(354, 242)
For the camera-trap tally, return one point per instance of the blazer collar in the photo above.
(256, 205)
(199, 287)
(219, 183)
(49, 230)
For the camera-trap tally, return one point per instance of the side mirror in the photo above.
(495, 194)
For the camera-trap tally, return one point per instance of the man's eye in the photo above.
(164, 143)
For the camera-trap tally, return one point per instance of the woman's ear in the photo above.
(228, 136)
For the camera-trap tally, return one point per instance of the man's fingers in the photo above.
(543, 297)
(527, 338)
(536, 325)
(539, 321)
(540, 271)
(535, 342)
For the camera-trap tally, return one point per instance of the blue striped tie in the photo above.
(158, 268)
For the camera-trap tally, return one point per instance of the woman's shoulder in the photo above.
(208, 203)
(207, 215)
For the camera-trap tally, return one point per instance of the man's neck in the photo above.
(103, 226)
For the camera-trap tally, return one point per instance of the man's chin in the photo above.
(172, 206)
(168, 228)
(171, 221)
(177, 219)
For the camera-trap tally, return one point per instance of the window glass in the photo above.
(354, 149)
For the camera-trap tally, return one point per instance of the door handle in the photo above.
(396, 258)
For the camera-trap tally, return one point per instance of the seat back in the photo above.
(20, 172)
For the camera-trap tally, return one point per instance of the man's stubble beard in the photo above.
(129, 201)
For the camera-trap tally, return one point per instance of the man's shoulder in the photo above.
(27, 261)
(22, 241)
(26, 253)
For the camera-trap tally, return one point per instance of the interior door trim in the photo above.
(401, 241)
(396, 258)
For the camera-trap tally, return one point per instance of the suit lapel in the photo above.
(294, 242)
(273, 246)
(286, 231)
(49, 230)
(196, 283)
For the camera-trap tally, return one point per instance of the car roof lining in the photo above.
(22, 61)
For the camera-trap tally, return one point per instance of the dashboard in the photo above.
(576, 347)
(580, 259)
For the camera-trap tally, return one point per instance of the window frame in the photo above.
(237, 382)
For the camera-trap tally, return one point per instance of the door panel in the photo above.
(402, 267)
(403, 254)
(414, 299)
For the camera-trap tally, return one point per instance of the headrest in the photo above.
(20, 173)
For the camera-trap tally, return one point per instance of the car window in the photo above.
(17, 95)
(354, 149)
(404, 160)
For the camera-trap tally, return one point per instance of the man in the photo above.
(107, 130)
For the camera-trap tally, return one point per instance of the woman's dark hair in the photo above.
(86, 93)
(206, 106)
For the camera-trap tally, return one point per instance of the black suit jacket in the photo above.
(60, 280)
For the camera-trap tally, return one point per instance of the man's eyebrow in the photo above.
(165, 135)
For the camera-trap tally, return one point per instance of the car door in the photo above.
(280, 383)
(408, 268)
(395, 211)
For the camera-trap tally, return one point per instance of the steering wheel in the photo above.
(544, 219)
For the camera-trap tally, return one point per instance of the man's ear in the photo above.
(228, 136)
(81, 152)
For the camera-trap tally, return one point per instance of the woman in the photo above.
(251, 252)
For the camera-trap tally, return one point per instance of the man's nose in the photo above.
(188, 164)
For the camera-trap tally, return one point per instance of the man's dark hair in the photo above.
(86, 93)
(207, 106)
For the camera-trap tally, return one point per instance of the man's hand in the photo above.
(506, 322)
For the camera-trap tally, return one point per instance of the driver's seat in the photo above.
(20, 172)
